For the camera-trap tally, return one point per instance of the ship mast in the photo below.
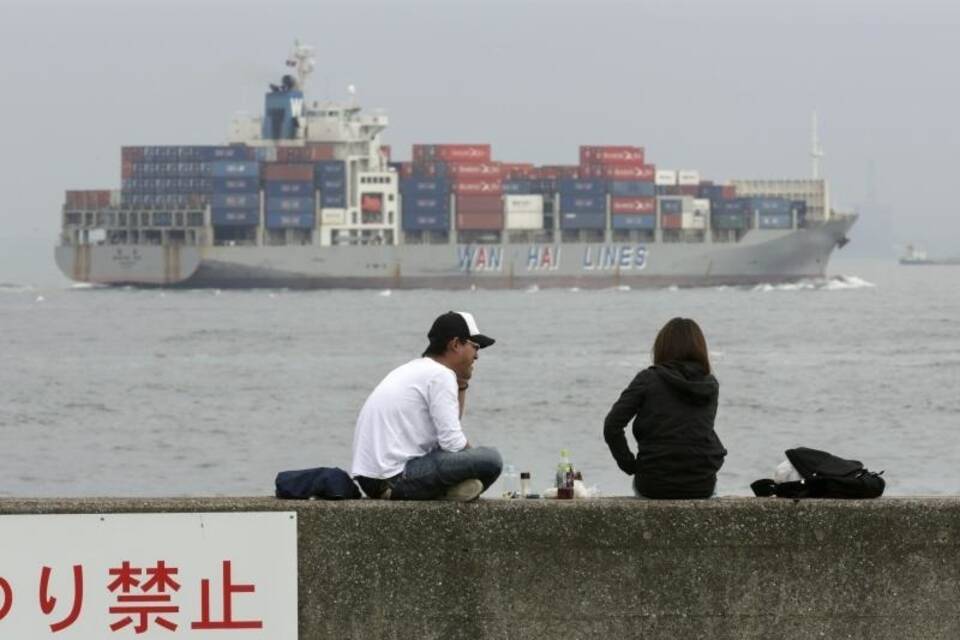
(816, 151)
(302, 59)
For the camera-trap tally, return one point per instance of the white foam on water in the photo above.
(386, 293)
(622, 287)
(533, 288)
(574, 289)
(673, 287)
(839, 283)
(40, 299)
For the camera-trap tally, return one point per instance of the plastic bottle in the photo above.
(510, 485)
(564, 476)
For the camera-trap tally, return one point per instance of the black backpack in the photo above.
(329, 483)
(824, 475)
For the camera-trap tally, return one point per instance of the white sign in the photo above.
(149, 576)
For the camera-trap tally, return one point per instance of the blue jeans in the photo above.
(428, 477)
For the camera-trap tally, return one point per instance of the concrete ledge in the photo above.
(731, 568)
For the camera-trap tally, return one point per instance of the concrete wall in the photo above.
(721, 569)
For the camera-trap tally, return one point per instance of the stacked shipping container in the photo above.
(290, 197)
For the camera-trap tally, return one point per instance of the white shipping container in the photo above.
(688, 177)
(523, 204)
(332, 216)
(665, 178)
(693, 220)
(701, 205)
(525, 220)
(115, 199)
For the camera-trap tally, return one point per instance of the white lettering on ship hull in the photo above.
(482, 258)
(608, 257)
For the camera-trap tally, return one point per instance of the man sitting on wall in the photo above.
(408, 443)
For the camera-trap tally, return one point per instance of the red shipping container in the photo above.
(131, 154)
(633, 205)
(317, 151)
(558, 171)
(477, 187)
(641, 173)
(479, 204)
(688, 190)
(480, 221)
(451, 152)
(126, 169)
(671, 221)
(611, 155)
(288, 172)
(486, 170)
(87, 199)
(406, 169)
(517, 170)
(729, 192)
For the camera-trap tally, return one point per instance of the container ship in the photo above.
(307, 196)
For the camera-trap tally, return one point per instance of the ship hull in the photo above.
(761, 256)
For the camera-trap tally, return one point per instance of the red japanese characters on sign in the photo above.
(149, 576)
(140, 598)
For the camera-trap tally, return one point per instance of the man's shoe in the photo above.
(464, 491)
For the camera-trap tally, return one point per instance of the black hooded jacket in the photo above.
(678, 452)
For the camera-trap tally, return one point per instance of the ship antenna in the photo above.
(816, 151)
(302, 59)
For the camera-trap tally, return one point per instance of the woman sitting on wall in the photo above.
(673, 405)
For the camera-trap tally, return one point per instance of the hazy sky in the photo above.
(723, 87)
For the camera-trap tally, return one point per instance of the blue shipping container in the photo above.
(333, 185)
(233, 152)
(234, 217)
(281, 189)
(634, 189)
(770, 205)
(421, 185)
(282, 220)
(234, 185)
(670, 205)
(729, 220)
(545, 186)
(631, 221)
(290, 205)
(162, 219)
(234, 169)
(570, 203)
(517, 186)
(330, 169)
(236, 200)
(583, 220)
(775, 221)
(333, 200)
(711, 191)
(426, 203)
(583, 187)
(735, 205)
(424, 221)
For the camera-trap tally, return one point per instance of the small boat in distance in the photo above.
(915, 256)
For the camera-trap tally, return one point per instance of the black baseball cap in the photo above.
(458, 324)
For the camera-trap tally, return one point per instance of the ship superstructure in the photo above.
(306, 196)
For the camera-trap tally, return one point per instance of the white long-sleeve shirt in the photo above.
(413, 411)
